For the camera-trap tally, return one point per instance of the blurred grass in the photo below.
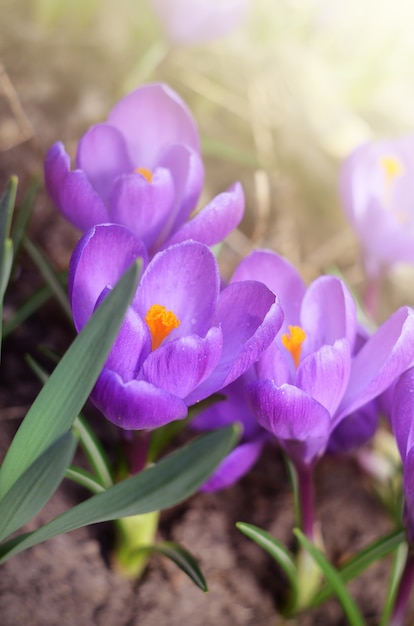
(278, 103)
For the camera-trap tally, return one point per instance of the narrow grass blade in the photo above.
(49, 275)
(23, 215)
(36, 485)
(276, 550)
(7, 200)
(170, 481)
(350, 608)
(181, 557)
(61, 399)
(398, 564)
(89, 443)
(84, 479)
(355, 566)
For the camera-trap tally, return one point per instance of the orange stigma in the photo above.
(147, 174)
(293, 340)
(160, 322)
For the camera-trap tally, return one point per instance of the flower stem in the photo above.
(306, 501)
(404, 589)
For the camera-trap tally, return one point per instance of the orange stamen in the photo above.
(147, 174)
(160, 322)
(293, 340)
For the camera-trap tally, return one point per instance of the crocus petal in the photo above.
(216, 220)
(135, 405)
(71, 192)
(354, 430)
(250, 316)
(299, 422)
(192, 21)
(388, 353)
(234, 466)
(279, 276)
(187, 170)
(102, 155)
(99, 260)
(324, 374)
(408, 488)
(233, 408)
(184, 279)
(328, 313)
(140, 205)
(181, 365)
(151, 117)
(275, 364)
(131, 346)
(402, 412)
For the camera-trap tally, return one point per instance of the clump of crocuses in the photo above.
(183, 338)
(292, 363)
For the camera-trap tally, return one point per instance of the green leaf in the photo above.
(32, 304)
(50, 276)
(170, 481)
(7, 200)
(357, 564)
(276, 550)
(85, 479)
(350, 608)
(23, 214)
(399, 561)
(90, 444)
(61, 399)
(181, 557)
(36, 485)
(94, 452)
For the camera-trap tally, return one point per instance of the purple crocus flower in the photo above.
(402, 421)
(142, 168)
(196, 21)
(310, 379)
(377, 190)
(182, 338)
(233, 409)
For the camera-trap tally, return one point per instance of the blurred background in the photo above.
(279, 101)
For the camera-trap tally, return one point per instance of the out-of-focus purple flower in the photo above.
(402, 420)
(377, 190)
(197, 21)
(182, 338)
(309, 379)
(142, 169)
(233, 409)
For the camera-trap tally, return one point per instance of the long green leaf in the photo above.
(350, 608)
(84, 478)
(23, 214)
(181, 557)
(61, 399)
(172, 480)
(49, 274)
(7, 200)
(372, 553)
(397, 569)
(276, 550)
(36, 485)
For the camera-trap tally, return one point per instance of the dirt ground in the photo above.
(53, 89)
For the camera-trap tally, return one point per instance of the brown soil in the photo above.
(51, 89)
